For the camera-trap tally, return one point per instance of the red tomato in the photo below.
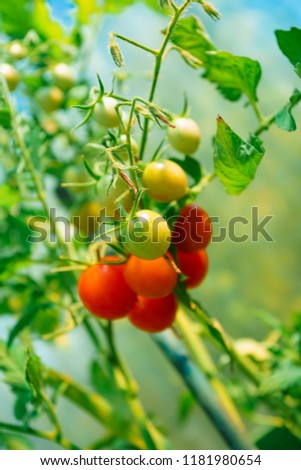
(104, 291)
(154, 315)
(150, 278)
(194, 266)
(192, 230)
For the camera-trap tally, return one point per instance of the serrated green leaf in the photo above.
(191, 36)
(285, 120)
(289, 44)
(34, 373)
(12, 363)
(233, 75)
(191, 166)
(235, 160)
(281, 380)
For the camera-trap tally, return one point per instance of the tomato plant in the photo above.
(104, 196)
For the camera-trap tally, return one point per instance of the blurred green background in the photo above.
(244, 279)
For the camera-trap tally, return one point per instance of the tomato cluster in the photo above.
(142, 287)
(158, 253)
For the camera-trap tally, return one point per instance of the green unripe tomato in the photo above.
(17, 50)
(63, 76)
(105, 112)
(74, 174)
(165, 181)
(110, 195)
(186, 136)
(123, 152)
(10, 75)
(50, 98)
(147, 235)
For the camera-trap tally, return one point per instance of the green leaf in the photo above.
(43, 22)
(298, 69)
(87, 8)
(186, 404)
(12, 363)
(235, 160)
(193, 307)
(233, 75)
(26, 319)
(289, 43)
(9, 441)
(8, 196)
(15, 17)
(191, 36)
(191, 166)
(34, 373)
(281, 380)
(278, 438)
(285, 120)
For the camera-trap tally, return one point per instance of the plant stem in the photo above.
(202, 359)
(136, 44)
(96, 406)
(152, 437)
(158, 62)
(198, 384)
(265, 125)
(257, 111)
(48, 436)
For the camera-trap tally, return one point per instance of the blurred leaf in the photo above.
(9, 196)
(278, 438)
(191, 36)
(34, 373)
(191, 166)
(87, 8)
(284, 119)
(186, 404)
(192, 306)
(27, 318)
(16, 17)
(281, 380)
(118, 5)
(43, 22)
(289, 43)
(12, 363)
(235, 160)
(298, 69)
(10, 441)
(234, 75)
